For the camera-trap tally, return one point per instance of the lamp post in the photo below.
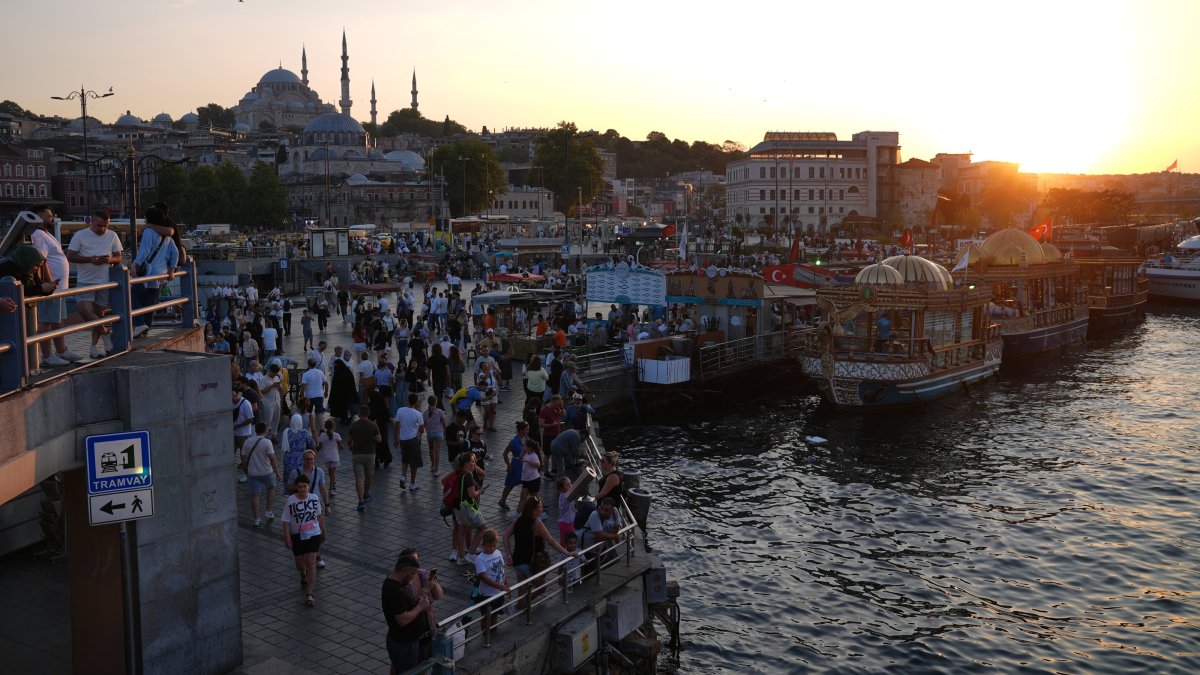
(464, 183)
(83, 95)
(326, 156)
(131, 164)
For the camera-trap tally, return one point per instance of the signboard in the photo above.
(566, 250)
(118, 462)
(626, 285)
(121, 506)
(283, 263)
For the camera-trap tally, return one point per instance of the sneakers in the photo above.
(403, 486)
(470, 558)
(70, 356)
(462, 561)
(97, 352)
(504, 506)
(108, 344)
(368, 498)
(141, 330)
(55, 360)
(321, 564)
(333, 490)
(258, 522)
(453, 555)
(361, 507)
(270, 516)
(241, 477)
(414, 487)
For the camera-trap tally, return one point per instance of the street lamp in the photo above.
(464, 183)
(83, 95)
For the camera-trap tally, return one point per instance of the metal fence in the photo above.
(19, 339)
(600, 362)
(724, 356)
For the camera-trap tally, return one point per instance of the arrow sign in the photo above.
(121, 506)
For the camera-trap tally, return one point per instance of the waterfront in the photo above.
(1046, 522)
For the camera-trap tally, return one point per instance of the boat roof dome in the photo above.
(974, 254)
(1050, 252)
(879, 275)
(1007, 246)
(915, 269)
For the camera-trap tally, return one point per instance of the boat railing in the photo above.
(1102, 297)
(235, 252)
(20, 339)
(741, 352)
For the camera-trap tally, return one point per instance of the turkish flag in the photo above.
(906, 239)
(669, 230)
(1174, 165)
(1042, 230)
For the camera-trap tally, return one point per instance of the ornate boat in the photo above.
(1116, 286)
(1037, 297)
(901, 334)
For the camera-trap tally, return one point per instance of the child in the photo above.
(574, 562)
(330, 443)
(489, 565)
(566, 511)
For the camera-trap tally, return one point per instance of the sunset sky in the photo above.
(1058, 86)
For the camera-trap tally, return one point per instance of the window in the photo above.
(20, 190)
(772, 172)
(762, 195)
(7, 170)
(810, 195)
(820, 195)
(762, 210)
(810, 209)
(796, 195)
(8, 189)
(841, 209)
(762, 172)
(42, 191)
(811, 171)
(841, 195)
(41, 172)
(822, 172)
(772, 193)
(20, 171)
(841, 172)
(853, 189)
(29, 171)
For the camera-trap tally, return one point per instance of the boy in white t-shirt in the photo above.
(94, 251)
(493, 583)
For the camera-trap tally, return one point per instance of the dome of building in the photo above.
(295, 105)
(879, 275)
(319, 153)
(375, 154)
(93, 123)
(1050, 252)
(975, 255)
(357, 178)
(408, 160)
(128, 120)
(190, 118)
(352, 154)
(251, 97)
(915, 269)
(279, 76)
(163, 118)
(1009, 244)
(334, 123)
(242, 127)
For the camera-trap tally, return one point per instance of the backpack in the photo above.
(458, 396)
(451, 491)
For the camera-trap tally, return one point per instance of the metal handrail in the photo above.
(66, 293)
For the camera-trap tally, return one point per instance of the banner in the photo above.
(626, 285)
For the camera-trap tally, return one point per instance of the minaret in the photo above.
(303, 66)
(373, 111)
(414, 89)
(345, 102)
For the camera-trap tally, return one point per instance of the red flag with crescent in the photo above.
(1041, 231)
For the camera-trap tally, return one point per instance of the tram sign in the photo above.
(118, 462)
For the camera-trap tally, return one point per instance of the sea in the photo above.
(1046, 521)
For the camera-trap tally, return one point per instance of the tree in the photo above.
(213, 115)
(266, 199)
(472, 161)
(266, 125)
(11, 108)
(233, 184)
(204, 201)
(172, 182)
(570, 163)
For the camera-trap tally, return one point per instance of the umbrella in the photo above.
(502, 254)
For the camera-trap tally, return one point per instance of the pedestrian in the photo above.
(51, 313)
(467, 516)
(409, 637)
(457, 368)
(409, 424)
(287, 319)
(156, 255)
(493, 584)
(95, 250)
(566, 511)
(512, 462)
(303, 532)
(293, 442)
(529, 557)
(329, 446)
(271, 387)
(306, 328)
(435, 433)
(364, 434)
(258, 461)
(380, 415)
(243, 426)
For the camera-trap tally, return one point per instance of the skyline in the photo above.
(1066, 87)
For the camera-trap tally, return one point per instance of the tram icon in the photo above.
(108, 462)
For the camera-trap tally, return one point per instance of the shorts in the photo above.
(435, 436)
(318, 403)
(259, 484)
(491, 604)
(50, 311)
(524, 570)
(238, 442)
(410, 452)
(532, 486)
(364, 464)
(97, 297)
(304, 546)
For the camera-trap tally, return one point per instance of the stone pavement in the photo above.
(344, 633)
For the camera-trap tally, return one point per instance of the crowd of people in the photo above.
(404, 390)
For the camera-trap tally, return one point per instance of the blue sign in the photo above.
(118, 462)
(283, 263)
(566, 250)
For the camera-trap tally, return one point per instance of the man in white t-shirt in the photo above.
(51, 313)
(94, 250)
(316, 388)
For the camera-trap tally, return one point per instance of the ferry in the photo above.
(901, 333)
(1176, 275)
(1038, 299)
(1116, 286)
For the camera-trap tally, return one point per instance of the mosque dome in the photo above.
(375, 154)
(915, 269)
(352, 154)
(319, 153)
(279, 76)
(295, 105)
(408, 160)
(334, 123)
(92, 122)
(1007, 247)
(357, 178)
(163, 118)
(879, 275)
(128, 120)
(190, 118)
(242, 127)
(251, 97)
(1051, 253)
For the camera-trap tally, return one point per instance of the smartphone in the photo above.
(433, 573)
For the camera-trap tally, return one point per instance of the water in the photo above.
(1046, 522)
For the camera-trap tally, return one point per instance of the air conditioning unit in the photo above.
(575, 642)
(623, 614)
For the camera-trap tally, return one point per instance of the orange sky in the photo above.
(1094, 87)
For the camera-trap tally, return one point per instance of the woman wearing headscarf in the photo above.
(294, 441)
(381, 416)
(342, 393)
(27, 265)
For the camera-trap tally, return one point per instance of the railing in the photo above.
(744, 351)
(234, 252)
(601, 361)
(530, 591)
(19, 338)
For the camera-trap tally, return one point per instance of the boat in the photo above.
(901, 333)
(1038, 299)
(1116, 287)
(1176, 274)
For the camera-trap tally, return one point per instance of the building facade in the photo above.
(812, 181)
(24, 177)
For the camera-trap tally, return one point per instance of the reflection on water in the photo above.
(1045, 521)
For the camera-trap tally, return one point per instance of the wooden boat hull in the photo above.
(869, 384)
(1045, 338)
(1105, 318)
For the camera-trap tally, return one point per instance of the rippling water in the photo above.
(1048, 521)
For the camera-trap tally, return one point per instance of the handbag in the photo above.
(246, 460)
(141, 268)
(473, 516)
